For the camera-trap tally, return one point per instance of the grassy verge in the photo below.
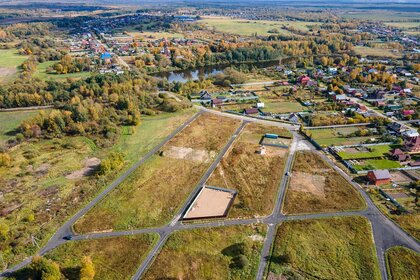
(403, 264)
(210, 253)
(152, 194)
(316, 187)
(113, 258)
(254, 176)
(37, 196)
(335, 248)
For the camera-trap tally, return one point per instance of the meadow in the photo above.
(334, 248)
(10, 121)
(42, 73)
(10, 60)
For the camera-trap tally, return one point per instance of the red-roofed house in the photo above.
(379, 177)
(252, 111)
(399, 155)
(303, 80)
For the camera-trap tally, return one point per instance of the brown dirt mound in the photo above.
(308, 183)
(90, 165)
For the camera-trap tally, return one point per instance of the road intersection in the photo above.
(386, 233)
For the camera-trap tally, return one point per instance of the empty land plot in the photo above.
(282, 106)
(151, 195)
(365, 152)
(113, 258)
(316, 187)
(335, 248)
(255, 177)
(211, 253)
(403, 264)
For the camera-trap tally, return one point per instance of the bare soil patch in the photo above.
(308, 183)
(188, 154)
(7, 72)
(91, 164)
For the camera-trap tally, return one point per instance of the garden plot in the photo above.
(337, 136)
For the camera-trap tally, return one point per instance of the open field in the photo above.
(381, 15)
(42, 73)
(278, 107)
(249, 27)
(38, 194)
(155, 35)
(403, 264)
(10, 60)
(376, 151)
(210, 253)
(154, 192)
(381, 52)
(336, 136)
(256, 177)
(10, 121)
(404, 25)
(335, 248)
(113, 258)
(410, 222)
(315, 187)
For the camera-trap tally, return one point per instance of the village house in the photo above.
(251, 111)
(379, 177)
(398, 154)
(412, 144)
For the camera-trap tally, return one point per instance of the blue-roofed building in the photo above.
(106, 56)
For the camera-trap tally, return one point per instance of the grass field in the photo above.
(10, 121)
(153, 193)
(255, 177)
(36, 184)
(279, 107)
(335, 248)
(155, 35)
(10, 60)
(316, 187)
(42, 73)
(336, 136)
(113, 258)
(380, 52)
(249, 27)
(403, 264)
(404, 25)
(371, 164)
(376, 151)
(209, 254)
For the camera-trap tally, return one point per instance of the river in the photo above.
(205, 71)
